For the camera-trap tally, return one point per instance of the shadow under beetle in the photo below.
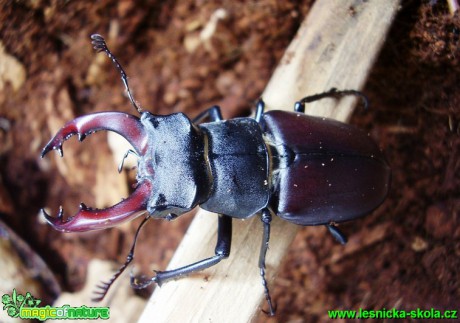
(306, 170)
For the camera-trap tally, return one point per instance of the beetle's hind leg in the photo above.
(266, 218)
(299, 106)
(222, 251)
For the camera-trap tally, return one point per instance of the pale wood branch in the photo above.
(335, 47)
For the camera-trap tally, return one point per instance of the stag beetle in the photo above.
(306, 170)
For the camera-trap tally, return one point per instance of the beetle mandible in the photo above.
(306, 170)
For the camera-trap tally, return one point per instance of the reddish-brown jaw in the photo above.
(87, 218)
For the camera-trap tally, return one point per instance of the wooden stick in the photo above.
(335, 47)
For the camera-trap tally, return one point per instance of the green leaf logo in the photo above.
(13, 304)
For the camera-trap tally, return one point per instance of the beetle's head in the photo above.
(87, 218)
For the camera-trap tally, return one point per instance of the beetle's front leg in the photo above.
(222, 251)
(104, 287)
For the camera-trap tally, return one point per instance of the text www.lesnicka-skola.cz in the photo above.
(394, 314)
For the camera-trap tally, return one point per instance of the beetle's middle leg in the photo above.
(213, 113)
(266, 218)
(222, 251)
(260, 108)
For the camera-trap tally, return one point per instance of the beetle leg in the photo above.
(299, 106)
(337, 234)
(266, 218)
(104, 286)
(222, 251)
(332, 93)
(213, 113)
(260, 107)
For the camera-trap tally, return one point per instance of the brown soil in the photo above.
(405, 255)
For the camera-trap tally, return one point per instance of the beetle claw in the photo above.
(52, 147)
(53, 220)
(271, 311)
(88, 218)
(124, 124)
(142, 281)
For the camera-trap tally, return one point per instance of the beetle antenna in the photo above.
(100, 46)
(104, 287)
(333, 93)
